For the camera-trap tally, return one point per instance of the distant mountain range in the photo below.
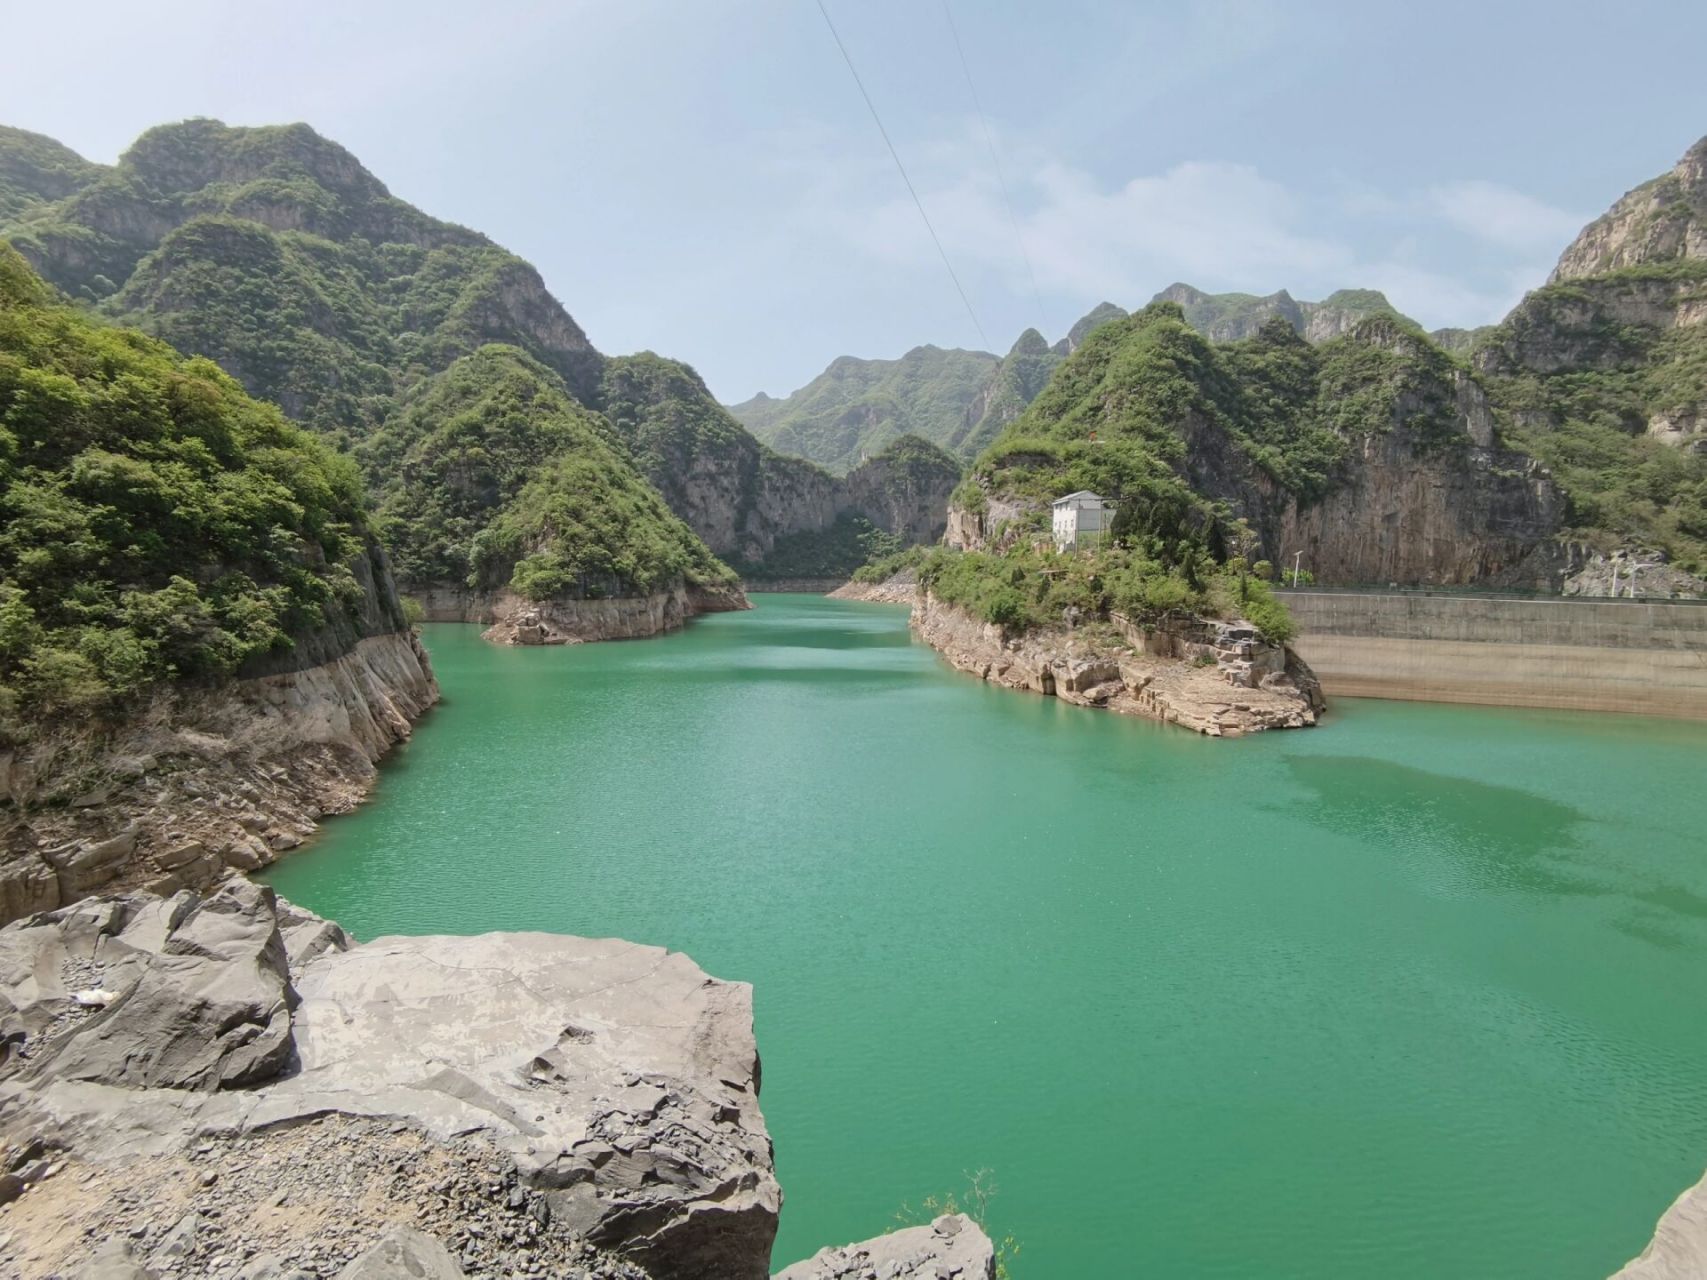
(959, 400)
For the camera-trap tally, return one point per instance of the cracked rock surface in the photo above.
(260, 1097)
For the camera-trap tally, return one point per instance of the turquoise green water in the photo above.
(1415, 994)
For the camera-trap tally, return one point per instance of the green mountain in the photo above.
(494, 476)
(955, 399)
(35, 170)
(275, 253)
(855, 407)
(1228, 317)
(1602, 373)
(1016, 382)
(1373, 454)
(156, 523)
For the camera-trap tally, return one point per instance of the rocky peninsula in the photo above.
(226, 1085)
(1221, 679)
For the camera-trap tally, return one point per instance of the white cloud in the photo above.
(1219, 226)
(1501, 216)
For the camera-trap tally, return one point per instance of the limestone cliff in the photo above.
(1663, 220)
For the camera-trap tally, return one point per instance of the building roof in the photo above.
(1082, 493)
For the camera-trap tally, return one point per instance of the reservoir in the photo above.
(1417, 993)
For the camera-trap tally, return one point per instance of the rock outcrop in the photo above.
(511, 620)
(953, 1247)
(218, 1078)
(1678, 1250)
(1219, 679)
(898, 588)
(1230, 317)
(203, 779)
(1663, 220)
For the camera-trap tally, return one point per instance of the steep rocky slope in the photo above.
(227, 1086)
(1602, 373)
(201, 649)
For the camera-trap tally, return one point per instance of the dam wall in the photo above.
(1648, 657)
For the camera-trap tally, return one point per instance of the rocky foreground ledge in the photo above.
(227, 1086)
(1219, 679)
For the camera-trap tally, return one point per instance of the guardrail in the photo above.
(1477, 593)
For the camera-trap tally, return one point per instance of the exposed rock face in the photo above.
(1219, 679)
(201, 780)
(1663, 220)
(994, 527)
(1630, 573)
(610, 1089)
(1678, 1250)
(951, 1248)
(511, 620)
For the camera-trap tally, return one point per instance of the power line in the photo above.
(996, 159)
(895, 156)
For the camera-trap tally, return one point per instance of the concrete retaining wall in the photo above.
(1648, 657)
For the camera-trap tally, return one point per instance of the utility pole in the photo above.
(1296, 561)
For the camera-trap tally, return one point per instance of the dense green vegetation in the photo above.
(492, 475)
(35, 169)
(1032, 585)
(1115, 418)
(855, 407)
(155, 522)
(1576, 378)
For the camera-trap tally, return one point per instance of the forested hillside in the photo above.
(156, 522)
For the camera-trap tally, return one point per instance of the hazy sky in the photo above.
(701, 178)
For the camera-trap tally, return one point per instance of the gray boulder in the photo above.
(200, 991)
(404, 1254)
(953, 1247)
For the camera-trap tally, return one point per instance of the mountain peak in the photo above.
(1663, 220)
(198, 152)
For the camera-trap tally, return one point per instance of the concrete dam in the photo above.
(1647, 657)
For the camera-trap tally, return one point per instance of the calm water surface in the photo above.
(1415, 994)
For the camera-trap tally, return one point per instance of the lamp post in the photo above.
(1296, 561)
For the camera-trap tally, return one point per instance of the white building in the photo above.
(1081, 519)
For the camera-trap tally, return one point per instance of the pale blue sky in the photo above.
(702, 178)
